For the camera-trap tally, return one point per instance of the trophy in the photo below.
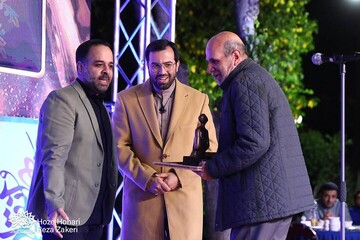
(201, 144)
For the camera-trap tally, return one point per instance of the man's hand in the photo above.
(172, 180)
(158, 185)
(164, 182)
(327, 215)
(53, 218)
(204, 173)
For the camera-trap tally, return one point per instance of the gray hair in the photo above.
(231, 45)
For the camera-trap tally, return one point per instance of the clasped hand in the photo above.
(164, 182)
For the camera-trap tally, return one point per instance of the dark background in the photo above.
(338, 33)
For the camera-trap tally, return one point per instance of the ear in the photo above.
(236, 56)
(177, 65)
(79, 67)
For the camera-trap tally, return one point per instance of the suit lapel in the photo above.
(147, 103)
(84, 99)
(181, 101)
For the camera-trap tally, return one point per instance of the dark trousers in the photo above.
(85, 232)
(273, 230)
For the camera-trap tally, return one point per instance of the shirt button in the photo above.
(96, 185)
(165, 156)
(98, 164)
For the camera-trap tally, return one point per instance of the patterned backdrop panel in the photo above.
(38, 40)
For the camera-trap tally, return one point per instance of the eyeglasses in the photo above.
(168, 66)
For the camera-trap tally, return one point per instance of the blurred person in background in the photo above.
(327, 203)
(355, 210)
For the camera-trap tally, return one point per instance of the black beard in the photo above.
(162, 86)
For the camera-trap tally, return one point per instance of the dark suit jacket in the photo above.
(260, 165)
(69, 157)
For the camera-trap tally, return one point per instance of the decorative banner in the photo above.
(23, 23)
(24, 84)
(17, 141)
(38, 40)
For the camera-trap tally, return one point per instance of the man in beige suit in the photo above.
(155, 121)
(74, 182)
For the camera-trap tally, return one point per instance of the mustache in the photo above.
(162, 75)
(104, 75)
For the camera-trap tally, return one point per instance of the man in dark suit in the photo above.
(74, 182)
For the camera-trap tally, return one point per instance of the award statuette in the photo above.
(201, 144)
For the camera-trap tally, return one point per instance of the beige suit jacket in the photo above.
(139, 144)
